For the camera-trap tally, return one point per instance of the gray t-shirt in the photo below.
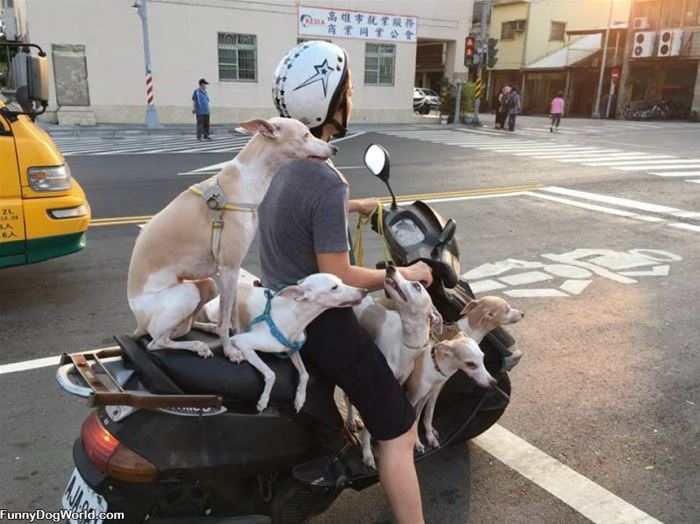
(303, 213)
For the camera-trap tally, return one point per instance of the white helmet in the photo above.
(308, 84)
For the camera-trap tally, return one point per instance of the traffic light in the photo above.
(492, 52)
(469, 43)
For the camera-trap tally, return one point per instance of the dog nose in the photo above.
(364, 291)
(334, 148)
(522, 314)
(492, 381)
(390, 270)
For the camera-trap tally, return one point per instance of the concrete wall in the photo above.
(183, 37)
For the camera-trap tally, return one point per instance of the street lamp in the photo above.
(596, 109)
(151, 115)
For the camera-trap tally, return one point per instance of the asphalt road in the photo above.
(608, 385)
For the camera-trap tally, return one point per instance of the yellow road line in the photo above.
(140, 219)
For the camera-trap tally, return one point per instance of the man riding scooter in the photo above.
(303, 230)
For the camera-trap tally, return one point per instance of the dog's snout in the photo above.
(522, 314)
(390, 270)
(492, 381)
(364, 291)
(334, 149)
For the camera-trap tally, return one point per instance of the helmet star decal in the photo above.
(322, 73)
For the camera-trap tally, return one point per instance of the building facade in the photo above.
(97, 61)
(545, 46)
(661, 56)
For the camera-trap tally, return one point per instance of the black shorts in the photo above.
(346, 355)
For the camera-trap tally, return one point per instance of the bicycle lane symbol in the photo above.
(568, 274)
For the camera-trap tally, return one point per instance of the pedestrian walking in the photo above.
(556, 110)
(501, 108)
(513, 105)
(200, 108)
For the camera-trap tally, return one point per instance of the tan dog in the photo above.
(207, 229)
(455, 352)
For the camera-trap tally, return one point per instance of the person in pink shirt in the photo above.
(556, 109)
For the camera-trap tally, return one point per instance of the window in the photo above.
(379, 64)
(508, 29)
(692, 13)
(301, 40)
(237, 57)
(557, 31)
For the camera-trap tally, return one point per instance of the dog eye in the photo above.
(306, 135)
(335, 288)
(416, 286)
(471, 365)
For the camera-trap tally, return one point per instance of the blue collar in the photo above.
(267, 318)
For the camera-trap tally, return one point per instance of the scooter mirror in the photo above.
(377, 161)
(448, 232)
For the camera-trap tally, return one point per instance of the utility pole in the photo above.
(599, 91)
(151, 115)
(485, 20)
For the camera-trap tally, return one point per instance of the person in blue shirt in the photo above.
(200, 108)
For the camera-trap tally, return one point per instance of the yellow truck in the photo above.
(43, 210)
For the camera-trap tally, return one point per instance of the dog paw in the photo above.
(262, 405)
(299, 402)
(368, 460)
(420, 448)
(203, 350)
(432, 441)
(234, 355)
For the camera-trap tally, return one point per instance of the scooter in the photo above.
(174, 438)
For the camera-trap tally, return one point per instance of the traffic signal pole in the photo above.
(485, 20)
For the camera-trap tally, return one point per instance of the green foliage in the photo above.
(449, 96)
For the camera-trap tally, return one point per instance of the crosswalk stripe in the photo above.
(677, 173)
(595, 153)
(616, 156)
(641, 168)
(557, 151)
(647, 161)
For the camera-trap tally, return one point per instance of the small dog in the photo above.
(402, 334)
(206, 229)
(434, 369)
(290, 311)
(477, 318)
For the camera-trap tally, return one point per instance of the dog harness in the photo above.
(216, 200)
(265, 316)
(435, 362)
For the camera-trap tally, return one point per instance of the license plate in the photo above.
(80, 498)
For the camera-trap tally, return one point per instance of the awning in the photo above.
(569, 55)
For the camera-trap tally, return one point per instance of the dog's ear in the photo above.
(468, 308)
(294, 292)
(435, 323)
(443, 349)
(261, 126)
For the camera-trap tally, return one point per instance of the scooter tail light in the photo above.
(111, 457)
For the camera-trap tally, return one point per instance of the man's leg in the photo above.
(345, 354)
(397, 473)
(206, 126)
(200, 126)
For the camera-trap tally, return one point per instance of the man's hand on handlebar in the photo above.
(364, 206)
(420, 271)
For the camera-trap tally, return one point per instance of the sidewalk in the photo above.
(122, 130)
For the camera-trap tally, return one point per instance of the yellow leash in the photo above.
(358, 247)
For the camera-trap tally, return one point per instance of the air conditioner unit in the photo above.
(643, 44)
(640, 22)
(520, 26)
(670, 42)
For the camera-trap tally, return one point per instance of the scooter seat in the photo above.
(218, 375)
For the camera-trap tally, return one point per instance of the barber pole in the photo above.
(149, 89)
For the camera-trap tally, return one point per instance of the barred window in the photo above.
(557, 31)
(508, 30)
(379, 64)
(237, 57)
